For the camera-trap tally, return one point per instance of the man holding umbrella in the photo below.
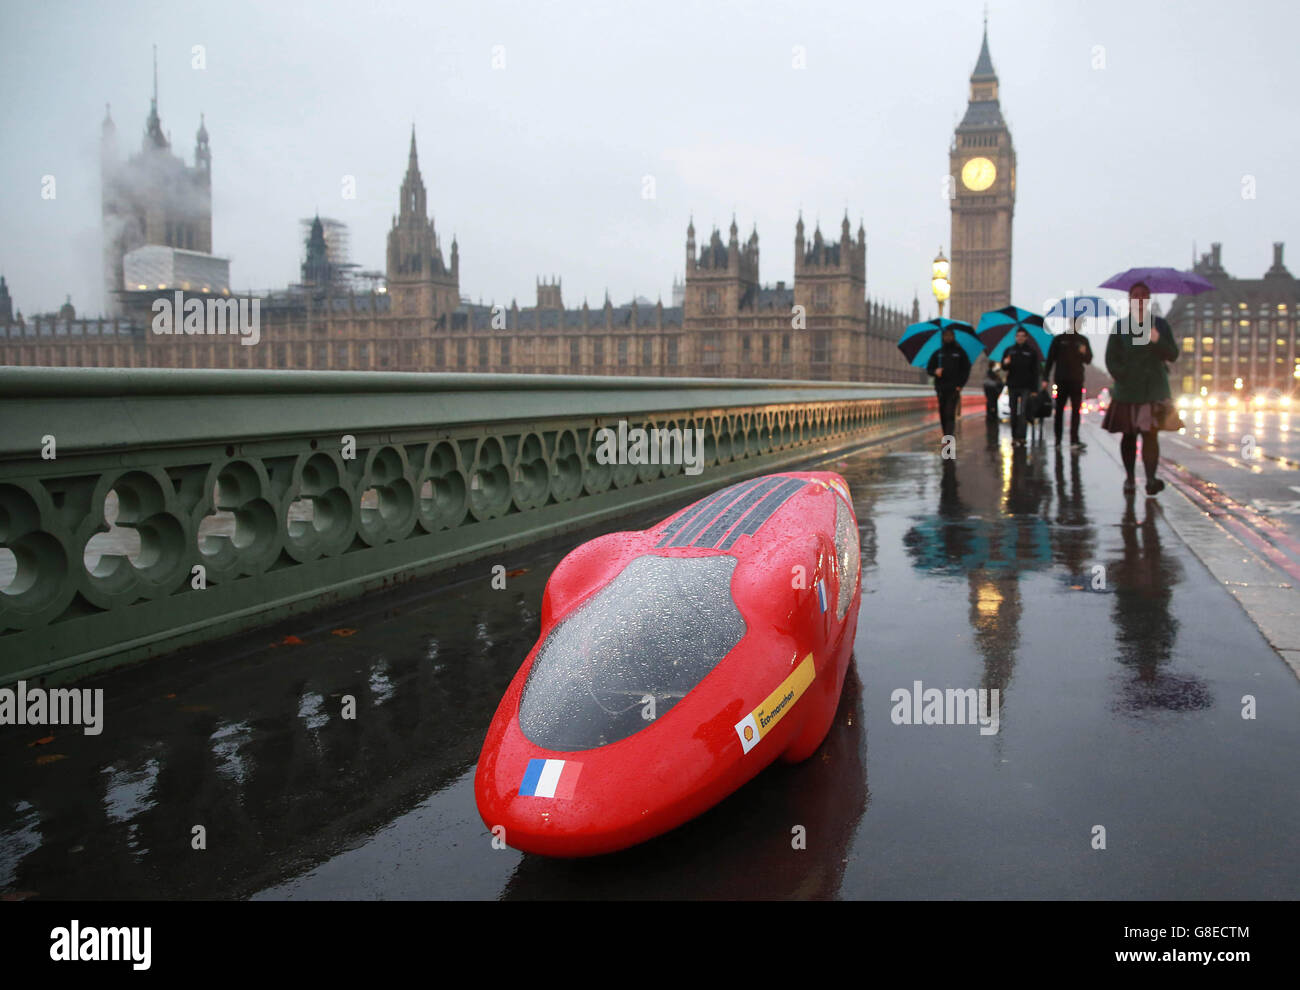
(1017, 339)
(949, 366)
(1069, 353)
(1021, 363)
(945, 349)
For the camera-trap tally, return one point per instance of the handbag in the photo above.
(1038, 405)
(1167, 417)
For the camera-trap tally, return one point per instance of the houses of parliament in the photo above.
(723, 323)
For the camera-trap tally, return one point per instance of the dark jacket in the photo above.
(1139, 368)
(955, 364)
(1069, 353)
(1022, 364)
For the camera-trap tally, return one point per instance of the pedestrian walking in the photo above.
(1136, 357)
(950, 368)
(1069, 354)
(992, 389)
(1021, 364)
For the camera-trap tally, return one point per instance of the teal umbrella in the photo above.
(920, 340)
(997, 331)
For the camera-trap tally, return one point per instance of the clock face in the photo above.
(978, 174)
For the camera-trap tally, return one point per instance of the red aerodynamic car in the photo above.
(674, 664)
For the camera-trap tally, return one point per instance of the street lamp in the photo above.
(939, 281)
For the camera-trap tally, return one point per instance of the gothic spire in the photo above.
(984, 64)
(413, 197)
(153, 126)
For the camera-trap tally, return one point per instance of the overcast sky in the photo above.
(538, 167)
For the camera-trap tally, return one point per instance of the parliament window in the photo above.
(575, 353)
(767, 348)
(598, 352)
(821, 347)
(462, 346)
(622, 352)
(672, 351)
(482, 353)
(505, 353)
(647, 352)
(711, 347)
(439, 353)
(785, 348)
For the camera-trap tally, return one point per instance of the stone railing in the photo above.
(241, 497)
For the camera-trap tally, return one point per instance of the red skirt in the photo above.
(1131, 417)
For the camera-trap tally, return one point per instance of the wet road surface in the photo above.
(1253, 457)
(1121, 666)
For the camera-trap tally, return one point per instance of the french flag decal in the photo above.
(550, 778)
(821, 593)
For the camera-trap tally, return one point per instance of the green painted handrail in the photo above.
(255, 495)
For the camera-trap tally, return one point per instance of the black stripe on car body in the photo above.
(764, 510)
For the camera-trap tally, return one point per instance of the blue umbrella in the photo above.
(997, 331)
(1072, 307)
(921, 340)
(1160, 280)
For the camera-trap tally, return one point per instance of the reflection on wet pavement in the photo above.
(1120, 663)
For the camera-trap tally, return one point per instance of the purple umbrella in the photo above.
(1160, 280)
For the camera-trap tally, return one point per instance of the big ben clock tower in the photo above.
(982, 166)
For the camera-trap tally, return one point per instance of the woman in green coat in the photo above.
(1137, 357)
